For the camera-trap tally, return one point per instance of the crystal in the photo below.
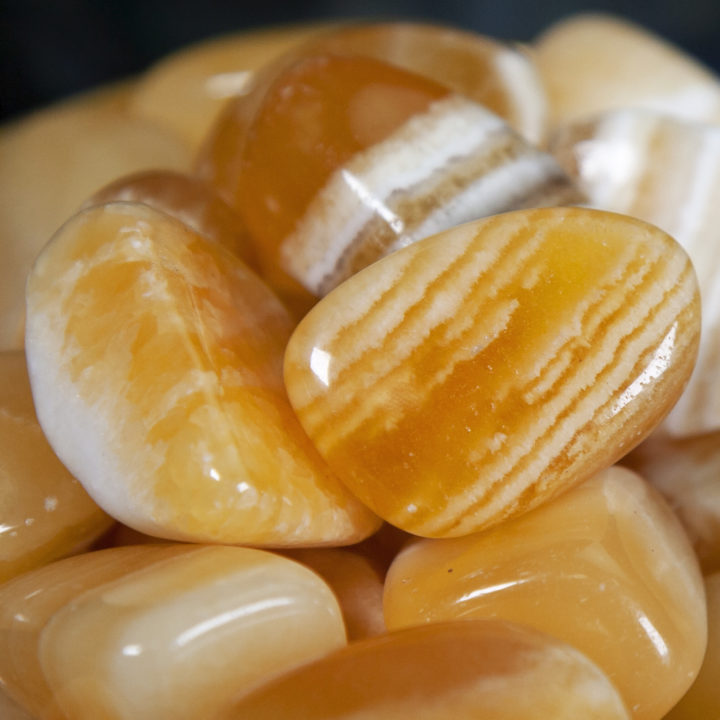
(605, 567)
(473, 375)
(156, 363)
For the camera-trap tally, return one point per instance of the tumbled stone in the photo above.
(471, 669)
(606, 567)
(185, 198)
(687, 472)
(155, 358)
(474, 375)
(45, 513)
(702, 700)
(590, 63)
(159, 631)
(349, 158)
(666, 172)
(50, 162)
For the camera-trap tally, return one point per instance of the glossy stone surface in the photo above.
(590, 63)
(666, 172)
(186, 198)
(702, 701)
(185, 91)
(606, 567)
(159, 631)
(155, 357)
(50, 162)
(687, 473)
(473, 375)
(498, 75)
(45, 513)
(349, 158)
(357, 585)
(471, 669)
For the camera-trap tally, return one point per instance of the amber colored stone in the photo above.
(346, 159)
(590, 63)
(159, 631)
(44, 511)
(155, 357)
(357, 585)
(471, 376)
(702, 700)
(666, 172)
(186, 198)
(50, 162)
(185, 91)
(472, 669)
(605, 567)
(10, 710)
(687, 472)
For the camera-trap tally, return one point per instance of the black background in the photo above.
(49, 49)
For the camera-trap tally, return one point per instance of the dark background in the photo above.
(52, 48)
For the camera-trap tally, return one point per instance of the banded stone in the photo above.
(349, 158)
(471, 669)
(666, 172)
(471, 376)
(606, 568)
(592, 62)
(155, 357)
(159, 631)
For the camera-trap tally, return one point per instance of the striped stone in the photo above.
(666, 172)
(475, 374)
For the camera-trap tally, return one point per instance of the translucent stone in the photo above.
(10, 710)
(45, 513)
(350, 158)
(471, 669)
(687, 473)
(185, 91)
(666, 172)
(155, 357)
(590, 63)
(186, 198)
(702, 701)
(357, 585)
(471, 376)
(606, 567)
(50, 162)
(159, 632)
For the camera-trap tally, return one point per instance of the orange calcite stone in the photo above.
(159, 631)
(186, 198)
(702, 701)
(344, 159)
(474, 375)
(357, 585)
(44, 511)
(156, 363)
(606, 568)
(471, 669)
(50, 162)
(590, 63)
(687, 473)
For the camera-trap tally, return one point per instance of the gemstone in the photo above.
(666, 172)
(50, 162)
(159, 631)
(155, 357)
(473, 375)
(605, 567)
(590, 63)
(687, 472)
(185, 198)
(471, 669)
(349, 158)
(45, 513)
(702, 700)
